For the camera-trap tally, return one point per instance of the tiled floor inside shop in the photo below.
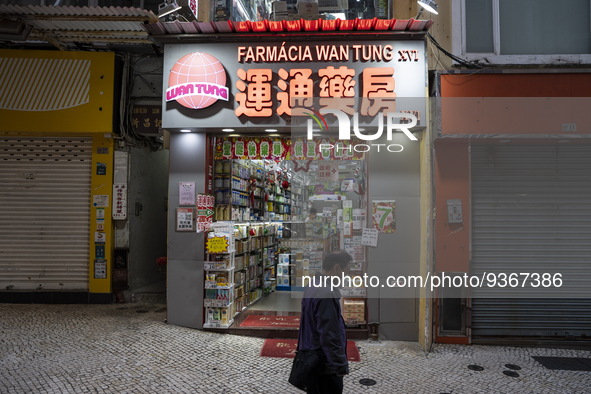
(280, 301)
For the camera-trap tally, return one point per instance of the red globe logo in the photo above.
(196, 81)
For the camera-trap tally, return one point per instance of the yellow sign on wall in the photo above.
(50, 91)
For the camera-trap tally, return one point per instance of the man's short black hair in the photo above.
(313, 210)
(340, 257)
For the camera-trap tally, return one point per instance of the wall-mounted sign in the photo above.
(119, 201)
(100, 269)
(205, 211)
(100, 212)
(184, 219)
(186, 193)
(100, 237)
(100, 201)
(101, 169)
(266, 83)
(146, 119)
(196, 81)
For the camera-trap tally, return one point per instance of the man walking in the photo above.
(322, 327)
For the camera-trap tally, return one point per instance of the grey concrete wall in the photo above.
(185, 249)
(148, 188)
(396, 176)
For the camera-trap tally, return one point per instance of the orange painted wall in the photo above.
(452, 174)
(524, 104)
(516, 85)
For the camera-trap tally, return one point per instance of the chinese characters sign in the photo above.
(259, 148)
(205, 206)
(184, 219)
(252, 148)
(217, 245)
(119, 201)
(146, 119)
(336, 87)
(269, 82)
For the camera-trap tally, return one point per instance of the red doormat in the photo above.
(271, 321)
(287, 347)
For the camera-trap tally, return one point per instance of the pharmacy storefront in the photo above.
(283, 149)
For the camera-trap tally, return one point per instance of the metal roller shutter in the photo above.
(531, 212)
(44, 212)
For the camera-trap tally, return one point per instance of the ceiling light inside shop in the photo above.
(227, 130)
(429, 5)
(185, 131)
(271, 130)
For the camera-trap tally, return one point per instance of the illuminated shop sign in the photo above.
(196, 81)
(241, 85)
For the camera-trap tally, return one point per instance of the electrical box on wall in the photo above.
(454, 211)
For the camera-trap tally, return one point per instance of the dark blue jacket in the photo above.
(322, 327)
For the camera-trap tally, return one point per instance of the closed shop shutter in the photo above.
(531, 212)
(44, 212)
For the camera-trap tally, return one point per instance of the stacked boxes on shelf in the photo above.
(269, 274)
(238, 196)
(250, 274)
(354, 311)
(354, 302)
(242, 195)
(284, 269)
(219, 276)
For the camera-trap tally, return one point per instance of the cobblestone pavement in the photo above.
(129, 349)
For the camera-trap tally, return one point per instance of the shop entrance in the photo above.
(281, 216)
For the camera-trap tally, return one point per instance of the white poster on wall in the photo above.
(186, 193)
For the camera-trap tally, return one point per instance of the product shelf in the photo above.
(218, 324)
(217, 287)
(210, 303)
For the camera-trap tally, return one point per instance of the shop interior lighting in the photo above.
(227, 130)
(168, 7)
(271, 130)
(185, 131)
(429, 5)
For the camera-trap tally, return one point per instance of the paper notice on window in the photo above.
(358, 219)
(369, 237)
(347, 218)
(384, 216)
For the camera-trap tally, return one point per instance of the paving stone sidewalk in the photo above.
(130, 349)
